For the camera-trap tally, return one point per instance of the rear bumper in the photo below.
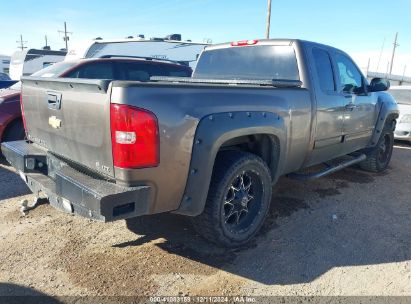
(72, 191)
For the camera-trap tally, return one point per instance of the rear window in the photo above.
(55, 70)
(402, 96)
(249, 62)
(142, 71)
(93, 70)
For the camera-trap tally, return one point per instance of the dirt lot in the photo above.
(346, 234)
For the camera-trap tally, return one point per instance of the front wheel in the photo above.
(379, 156)
(238, 199)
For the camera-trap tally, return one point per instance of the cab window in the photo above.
(350, 79)
(324, 70)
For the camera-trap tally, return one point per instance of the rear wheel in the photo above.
(379, 156)
(14, 131)
(238, 199)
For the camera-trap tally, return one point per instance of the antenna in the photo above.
(66, 38)
(368, 66)
(379, 58)
(388, 67)
(267, 30)
(21, 43)
(393, 52)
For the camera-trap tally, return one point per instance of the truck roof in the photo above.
(277, 41)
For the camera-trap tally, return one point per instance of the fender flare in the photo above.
(212, 132)
(388, 111)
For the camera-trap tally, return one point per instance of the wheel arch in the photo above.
(248, 131)
(388, 113)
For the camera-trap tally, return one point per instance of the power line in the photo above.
(66, 38)
(21, 43)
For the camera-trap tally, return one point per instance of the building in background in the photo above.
(4, 64)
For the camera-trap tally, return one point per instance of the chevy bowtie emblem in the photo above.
(55, 122)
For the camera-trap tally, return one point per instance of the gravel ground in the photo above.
(346, 234)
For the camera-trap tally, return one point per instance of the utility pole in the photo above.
(21, 43)
(267, 31)
(403, 74)
(66, 38)
(393, 52)
(45, 36)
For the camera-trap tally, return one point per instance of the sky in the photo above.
(362, 28)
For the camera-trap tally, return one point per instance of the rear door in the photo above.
(330, 107)
(360, 107)
(71, 118)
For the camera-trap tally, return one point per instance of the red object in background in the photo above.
(10, 112)
(12, 122)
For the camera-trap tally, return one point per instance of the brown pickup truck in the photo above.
(210, 146)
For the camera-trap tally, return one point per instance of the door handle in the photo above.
(54, 100)
(350, 106)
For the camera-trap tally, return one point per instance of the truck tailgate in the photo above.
(70, 118)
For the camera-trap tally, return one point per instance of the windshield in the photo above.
(249, 62)
(402, 96)
(55, 70)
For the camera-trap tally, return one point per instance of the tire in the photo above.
(238, 199)
(379, 156)
(14, 131)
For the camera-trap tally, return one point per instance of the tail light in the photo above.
(244, 42)
(22, 113)
(134, 137)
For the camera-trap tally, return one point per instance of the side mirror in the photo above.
(378, 85)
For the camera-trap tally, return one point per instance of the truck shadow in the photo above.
(11, 184)
(296, 250)
(12, 293)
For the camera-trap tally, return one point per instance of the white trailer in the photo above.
(185, 52)
(27, 62)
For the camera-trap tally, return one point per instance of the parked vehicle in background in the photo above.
(4, 77)
(170, 48)
(138, 69)
(5, 81)
(210, 147)
(11, 124)
(402, 95)
(27, 62)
